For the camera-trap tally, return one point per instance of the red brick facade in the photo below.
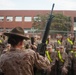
(28, 13)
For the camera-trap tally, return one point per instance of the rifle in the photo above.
(32, 40)
(42, 47)
(1, 73)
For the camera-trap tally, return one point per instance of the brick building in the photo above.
(24, 18)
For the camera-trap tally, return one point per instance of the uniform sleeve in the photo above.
(54, 59)
(1, 63)
(66, 61)
(70, 59)
(41, 62)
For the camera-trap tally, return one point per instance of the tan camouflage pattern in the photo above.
(21, 62)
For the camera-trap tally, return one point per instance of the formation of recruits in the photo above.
(61, 53)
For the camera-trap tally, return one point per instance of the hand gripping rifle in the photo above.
(42, 47)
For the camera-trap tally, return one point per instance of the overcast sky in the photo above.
(37, 4)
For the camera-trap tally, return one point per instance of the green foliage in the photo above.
(40, 21)
(60, 22)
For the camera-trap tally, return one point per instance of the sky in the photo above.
(37, 4)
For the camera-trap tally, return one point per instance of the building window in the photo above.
(37, 19)
(1, 18)
(18, 18)
(1, 29)
(74, 19)
(28, 19)
(9, 18)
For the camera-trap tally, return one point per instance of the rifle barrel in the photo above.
(47, 27)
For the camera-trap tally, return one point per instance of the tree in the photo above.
(60, 22)
(39, 21)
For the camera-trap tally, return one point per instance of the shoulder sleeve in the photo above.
(41, 62)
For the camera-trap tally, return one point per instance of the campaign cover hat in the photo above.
(58, 36)
(61, 47)
(74, 46)
(17, 31)
(49, 46)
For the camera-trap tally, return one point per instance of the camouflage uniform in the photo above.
(21, 62)
(72, 61)
(52, 63)
(69, 43)
(62, 63)
(51, 55)
(27, 44)
(59, 41)
(2, 47)
(49, 41)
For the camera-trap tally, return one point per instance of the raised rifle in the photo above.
(32, 40)
(42, 47)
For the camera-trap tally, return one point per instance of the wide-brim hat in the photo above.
(17, 31)
(61, 47)
(58, 36)
(49, 46)
(74, 46)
